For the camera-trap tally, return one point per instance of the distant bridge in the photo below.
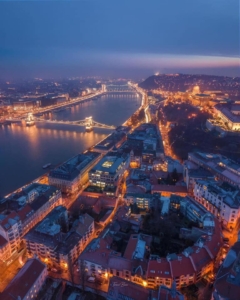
(119, 88)
(88, 123)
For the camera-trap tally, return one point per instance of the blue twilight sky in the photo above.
(118, 37)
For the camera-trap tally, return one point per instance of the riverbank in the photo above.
(22, 150)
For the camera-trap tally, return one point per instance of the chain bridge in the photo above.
(88, 123)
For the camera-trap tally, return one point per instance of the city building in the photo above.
(22, 210)
(222, 200)
(145, 139)
(192, 173)
(169, 165)
(220, 166)
(189, 266)
(27, 283)
(137, 265)
(53, 242)
(227, 282)
(229, 114)
(123, 289)
(226, 118)
(33, 202)
(193, 210)
(145, 201)
(26, 104)
(10, 232)
(5, 249)
(71, 175)
(54, 99)
(109, 170)
(113, 140)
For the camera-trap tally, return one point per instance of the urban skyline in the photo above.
(120, 150)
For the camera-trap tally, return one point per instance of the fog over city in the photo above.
(106, 38)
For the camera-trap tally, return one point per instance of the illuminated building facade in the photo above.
(27, 282)
(222, 202)
(109, 170)
(71, 175)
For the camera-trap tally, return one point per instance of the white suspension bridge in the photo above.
(88, 122)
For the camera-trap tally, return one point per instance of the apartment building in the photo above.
(145, 201)
(23, 210)
(10, 232)
(123, 289)
(27, 282)
(52, 241)
(229, 114)
(227, 285)
(220, 166)
(71, 175)
(189, 266)
(193, 210)
(109, 170)
(222, 200)
(183, 269)
(5, 249)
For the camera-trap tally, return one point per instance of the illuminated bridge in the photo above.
(119, 88)
(88, 123)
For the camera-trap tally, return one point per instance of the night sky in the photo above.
(134, 38)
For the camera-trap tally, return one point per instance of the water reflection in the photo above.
(24, 150)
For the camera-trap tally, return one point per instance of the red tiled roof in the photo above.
(200, 258)
(214, 242)
(99, 254)
(181, 266)
(24, 280)
(159, 268)
(119, 263)
(131, 246)
(24, 211)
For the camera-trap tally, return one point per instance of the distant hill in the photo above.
(183, 82)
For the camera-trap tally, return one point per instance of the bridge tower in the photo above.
(30, 120)
(89, 124)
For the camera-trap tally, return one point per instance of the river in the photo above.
(24, 150)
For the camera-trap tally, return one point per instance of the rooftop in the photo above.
(74, 166)
(24, 280)
(227, 283)
(109, 164)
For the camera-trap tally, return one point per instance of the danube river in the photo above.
(24, 150)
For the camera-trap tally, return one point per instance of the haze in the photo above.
(118, 38)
